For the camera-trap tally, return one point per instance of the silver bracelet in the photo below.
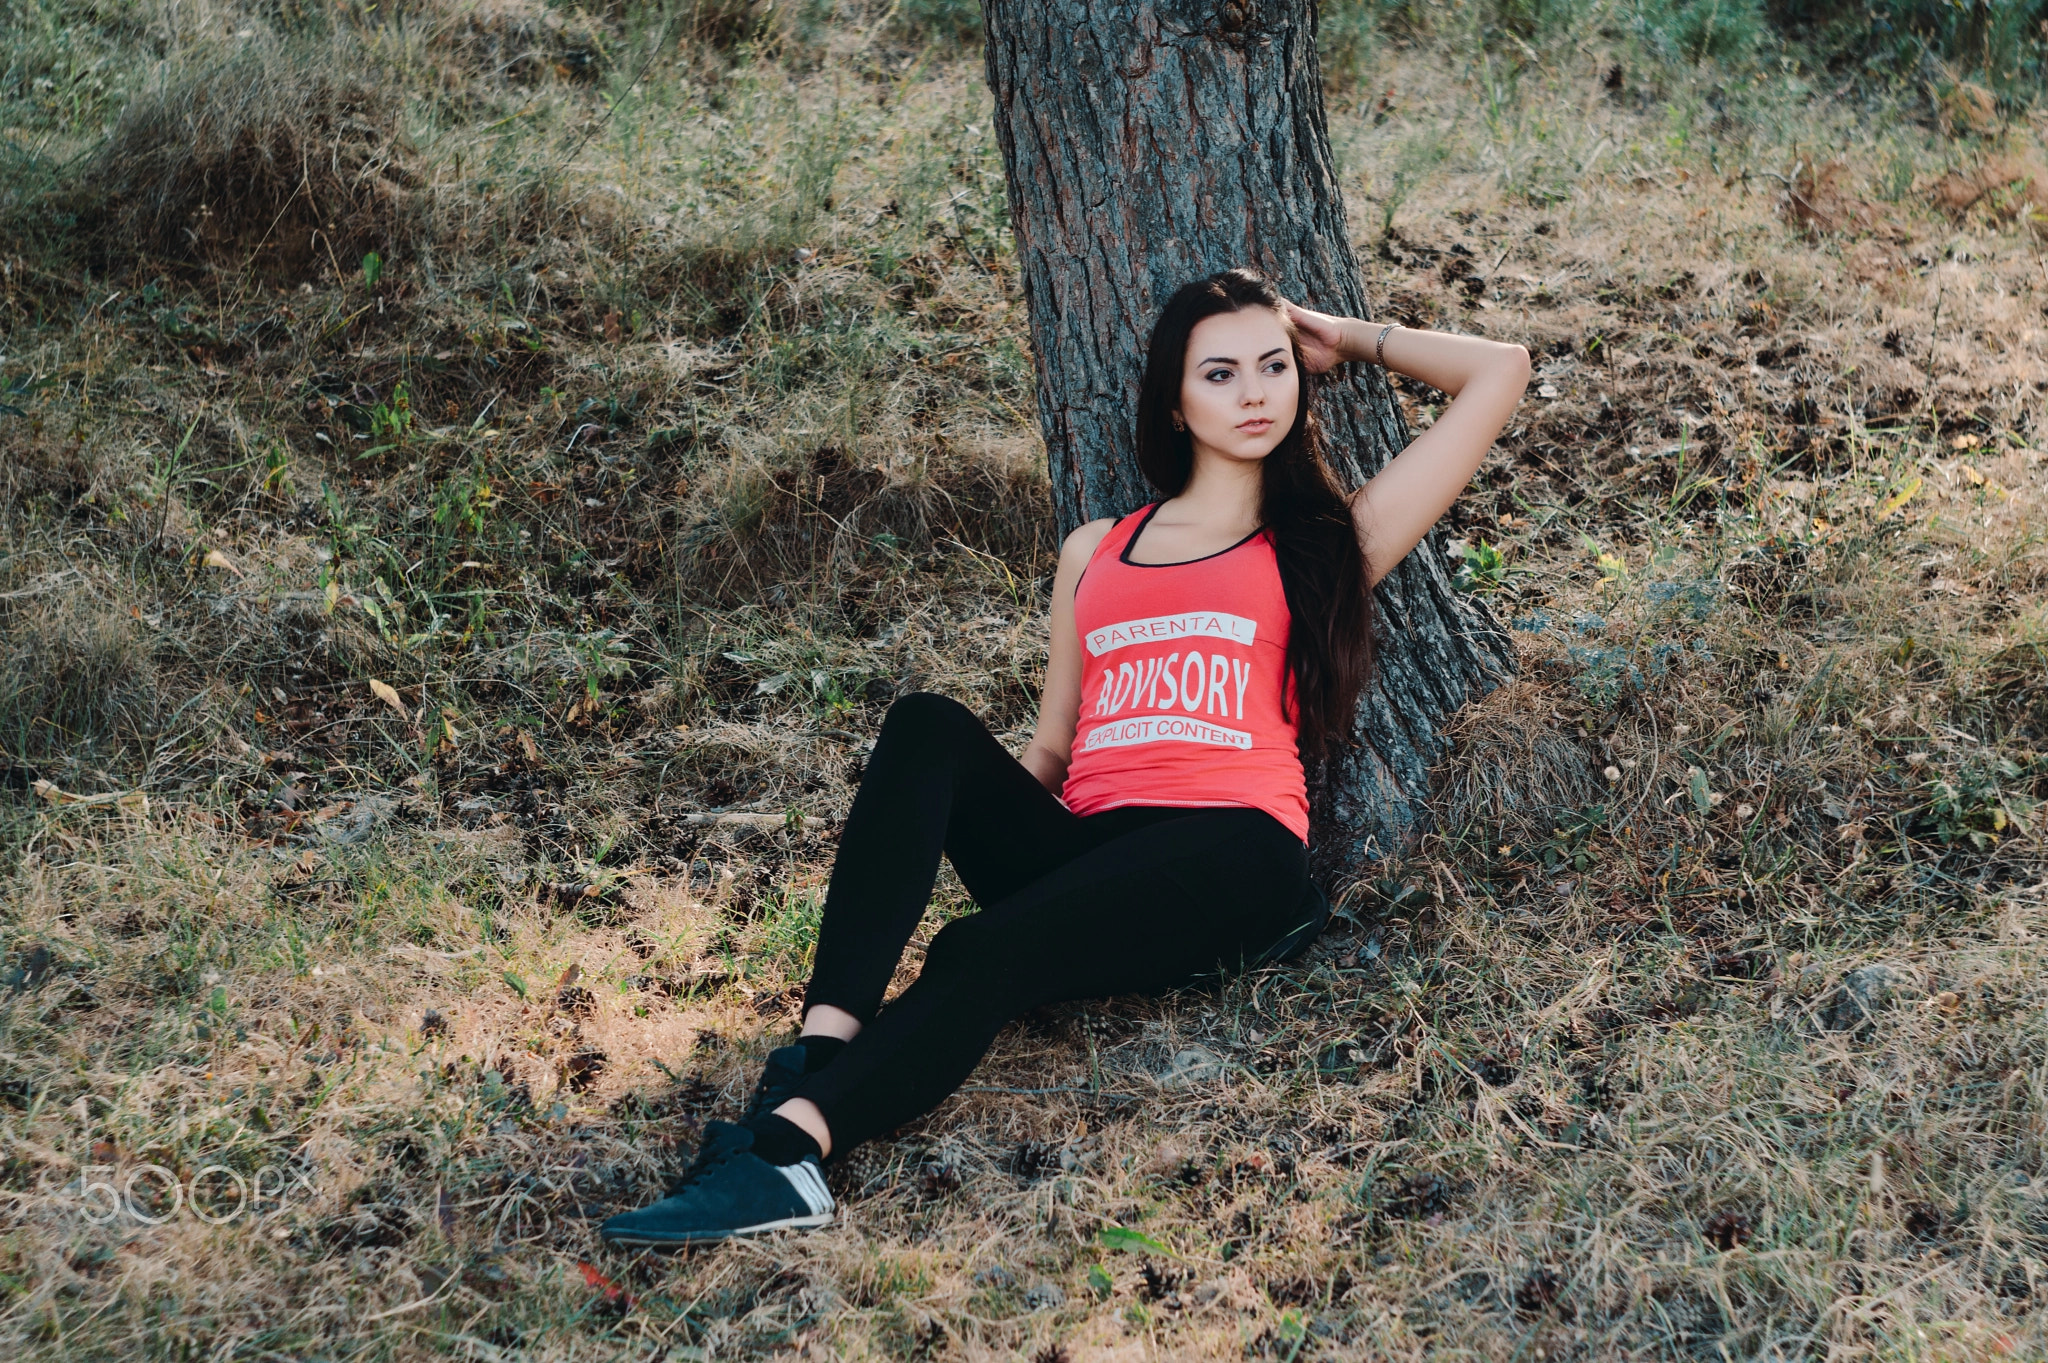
(1379, 351)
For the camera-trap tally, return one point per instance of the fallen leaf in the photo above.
(216, 559)
(1124, 1238)
(1905, 494)
(612, 1291)
(387, 693)
(133, 801)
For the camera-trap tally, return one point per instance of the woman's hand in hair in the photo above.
(1325, 341)
(1399, 504)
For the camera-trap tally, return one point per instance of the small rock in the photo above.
(362, 818)
(997, 1277)
(1195, 1065)
(1862, 995)
(1342, 1059)
(1045, 1297)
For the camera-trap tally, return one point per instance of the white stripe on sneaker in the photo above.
(803, 1176)
(817, 1179)
(809, 1186)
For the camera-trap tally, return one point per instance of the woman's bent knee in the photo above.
(924, 718)
(926, 709)
(956, 949)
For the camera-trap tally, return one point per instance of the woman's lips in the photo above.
(1255, 425)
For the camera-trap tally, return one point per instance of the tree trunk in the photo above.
(1148, 143)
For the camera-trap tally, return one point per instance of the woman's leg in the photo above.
(1143, 912)
(937, 781)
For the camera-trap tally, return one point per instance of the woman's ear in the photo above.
(1178, 423)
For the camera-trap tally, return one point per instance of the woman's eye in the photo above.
(1216, 374)
(1277, 367)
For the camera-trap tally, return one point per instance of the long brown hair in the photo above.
(1322, 567)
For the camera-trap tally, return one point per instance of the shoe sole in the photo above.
(636, 1239)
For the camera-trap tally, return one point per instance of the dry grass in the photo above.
(1706, 1023)
(280, 159)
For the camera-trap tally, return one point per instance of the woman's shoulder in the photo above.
(1084, 540)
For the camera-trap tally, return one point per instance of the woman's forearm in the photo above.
(1045, 764)
(1443, 361)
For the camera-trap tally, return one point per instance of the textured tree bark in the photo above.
(1150, 142)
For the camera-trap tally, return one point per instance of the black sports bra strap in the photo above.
(1113, 525)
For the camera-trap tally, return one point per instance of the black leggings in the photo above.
(1134, 900)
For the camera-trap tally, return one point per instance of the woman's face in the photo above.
(1238, 390)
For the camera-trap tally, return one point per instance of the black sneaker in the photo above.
(729, 1190)
(779, 1078)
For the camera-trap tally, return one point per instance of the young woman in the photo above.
(1155, 828)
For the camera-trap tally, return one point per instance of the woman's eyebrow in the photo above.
(1225, 359)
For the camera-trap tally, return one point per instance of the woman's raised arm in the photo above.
(1484, 379)
(1059, 703)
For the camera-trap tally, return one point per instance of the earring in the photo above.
(1179, 425)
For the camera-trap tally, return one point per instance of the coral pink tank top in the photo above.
(1183, 670)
